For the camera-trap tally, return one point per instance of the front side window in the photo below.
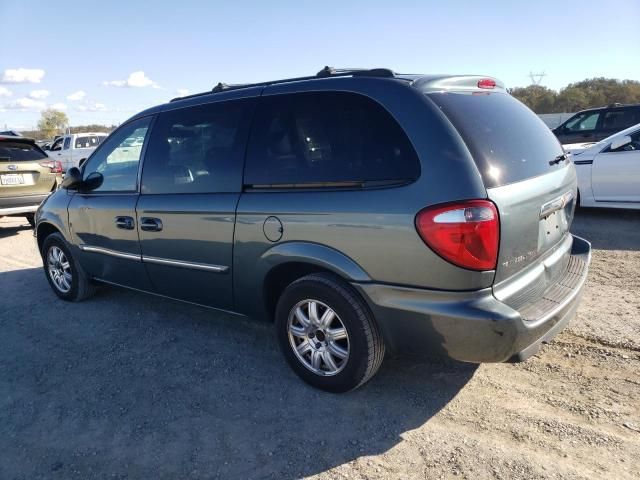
(327, 139)
(118, 158)
(198, 149)
(634, 145)
(67, 143)
(57, 145)
(583, 122)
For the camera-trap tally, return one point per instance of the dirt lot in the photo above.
(132, 386)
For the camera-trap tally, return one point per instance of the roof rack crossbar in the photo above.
(326, 72)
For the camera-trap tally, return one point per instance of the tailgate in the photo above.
(535, 216)
(21, 172)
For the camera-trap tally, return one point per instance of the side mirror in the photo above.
(81, 162)
(93, 181)
(72, 179)
(620, 142)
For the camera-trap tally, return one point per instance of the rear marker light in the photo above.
(486, 83)
(466, 233)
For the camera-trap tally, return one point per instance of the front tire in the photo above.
(327, 333)
(65, 275)
(31, 218)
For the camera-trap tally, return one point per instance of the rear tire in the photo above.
(327, 333)
(63, 271)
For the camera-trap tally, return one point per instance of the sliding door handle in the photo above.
(149, 224)
(126, 223)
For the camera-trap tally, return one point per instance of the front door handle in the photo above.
(149, 224)
(126, 223)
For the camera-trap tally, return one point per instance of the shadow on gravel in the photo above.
(127, 385)
(6, 231)
(607, 228)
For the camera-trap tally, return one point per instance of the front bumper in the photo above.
(476, 326)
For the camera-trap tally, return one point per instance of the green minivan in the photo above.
(361, 211)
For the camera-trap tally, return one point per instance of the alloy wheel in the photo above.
(318, 337)
(59, 269)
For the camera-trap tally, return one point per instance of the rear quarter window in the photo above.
(508, 142)
(20, 152)
(327, 139)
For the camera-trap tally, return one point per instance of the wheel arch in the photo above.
(284, 263)
(43, 230)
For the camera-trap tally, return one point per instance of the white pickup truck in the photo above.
(70, 149)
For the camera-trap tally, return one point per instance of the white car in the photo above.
(69, 150)
(609, 171)
(574, 148)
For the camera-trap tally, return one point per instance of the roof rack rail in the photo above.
(326, 72)
(355, 72)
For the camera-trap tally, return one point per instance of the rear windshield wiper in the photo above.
(558, 159)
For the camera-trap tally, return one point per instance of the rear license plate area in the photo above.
(12, 179)
(552, 228)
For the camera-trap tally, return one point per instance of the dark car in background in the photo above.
(27, 176)
(595, 124)
(362, 211)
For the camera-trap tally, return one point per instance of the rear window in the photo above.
(20, 152)
(508, 142)
(327, 139)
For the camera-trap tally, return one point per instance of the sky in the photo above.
(101, 62)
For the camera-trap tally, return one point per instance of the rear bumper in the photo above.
(21, 204)
(476, 326)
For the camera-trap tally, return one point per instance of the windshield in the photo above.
(508, 142)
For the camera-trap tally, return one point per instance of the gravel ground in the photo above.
(127, 385)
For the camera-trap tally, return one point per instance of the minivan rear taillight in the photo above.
(464, 233)
(54, 165)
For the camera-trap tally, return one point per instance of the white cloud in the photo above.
(182, 92)
(93, 107)
(136, 79)
(58, 106)
(5, 92)
(76, 96)
(25, 103)
(39, 94)
(22, 75)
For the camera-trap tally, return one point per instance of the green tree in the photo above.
(573, 99)
(588, 93)
(538, 98)
(52, 122)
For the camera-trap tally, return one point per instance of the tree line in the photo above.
(54, 122)
(589, 93)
